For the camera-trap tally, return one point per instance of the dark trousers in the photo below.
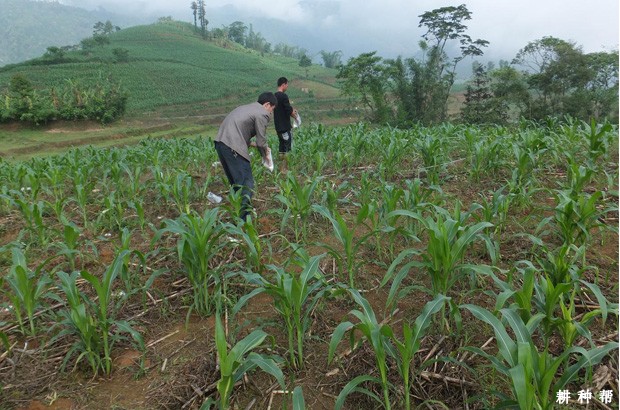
(238, 170)
(286, 141)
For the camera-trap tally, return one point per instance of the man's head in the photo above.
(282, 83)
(268, 100)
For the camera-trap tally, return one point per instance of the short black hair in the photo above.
(282, 80)
(269, 97)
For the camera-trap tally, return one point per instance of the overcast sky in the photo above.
(390, 27)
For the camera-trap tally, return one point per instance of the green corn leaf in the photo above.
(351, 387)
(589, 358)
(298, 399)
(506, 345)
(267, 365)
(341, 329)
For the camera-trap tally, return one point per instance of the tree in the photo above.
(305, 62)
(331, 60)
(510, 85)
(481, 106)
(54, 54)
(202, 13)
(364, 78)
(236, 32)
(565, 81)
(429, 79)
(121, 54)
(104, 29)
(194, 8)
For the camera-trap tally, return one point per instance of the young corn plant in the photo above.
(181, 192)
(297, 198)
(251, 244)
(33, 214)
(93, 322)
(495, 209)
(27, 290)
(377, 336)
(346, 258)
(385, 344)
(573, 325)
(449, 237)
(534, 375)
(295, 297)
(431, 150)
(409, 345)
(198, 243)
(68, 246)
(575, 217)
(237, 362)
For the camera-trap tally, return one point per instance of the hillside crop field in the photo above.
(178, 85)
(430, 267)
(168, 64)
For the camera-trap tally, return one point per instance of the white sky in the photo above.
(390, 27)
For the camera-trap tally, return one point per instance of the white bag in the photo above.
(268, 160)
(297, 121)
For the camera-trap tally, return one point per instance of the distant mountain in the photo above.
(28, 28)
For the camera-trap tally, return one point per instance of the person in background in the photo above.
(282, 119)
(233, 140)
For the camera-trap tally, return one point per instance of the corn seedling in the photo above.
(347, 257)
(251, 244)
(378, 336)
(295, 296)
(431, 150)
(297, 198)
(575, 218)
(237, 362)
(449, 237)
(410, 343)
(27, 290)
(198, 243)
(91, 321)
(181, 192)
(533, 374)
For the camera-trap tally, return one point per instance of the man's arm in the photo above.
(260, 125)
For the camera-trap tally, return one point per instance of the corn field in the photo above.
(431, 267)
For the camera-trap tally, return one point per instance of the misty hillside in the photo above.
(28, 27)
(167, 64)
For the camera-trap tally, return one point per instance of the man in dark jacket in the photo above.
(282, 117)
(233, 139)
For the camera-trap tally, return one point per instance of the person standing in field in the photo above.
(282, 119)
(233, 140)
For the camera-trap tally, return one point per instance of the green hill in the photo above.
(28, 27)
(170, 69)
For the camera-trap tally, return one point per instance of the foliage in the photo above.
(238, 361)
(532, 373)
(93, 320)
(199, 241)
(295, 297)
(103, 101)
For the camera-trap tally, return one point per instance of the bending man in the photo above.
(233, 139)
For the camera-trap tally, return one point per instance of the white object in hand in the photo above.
(268, 160)
(297, 121)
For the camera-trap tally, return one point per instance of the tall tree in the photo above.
(331, 60)
(194, 7)
(236, 32)
(430, 78)
(564, 80)
(481, 106)
(202, 13)
(365, 78)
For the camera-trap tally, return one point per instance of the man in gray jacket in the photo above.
(233, 139)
